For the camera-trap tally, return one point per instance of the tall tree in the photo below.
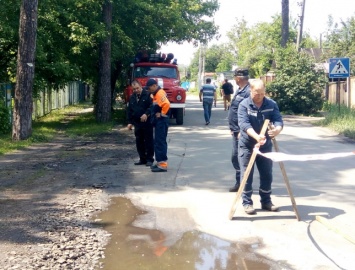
(254, 46)
(218, 59)
(298, 85)
(341, 40)
(285, 32)
(22, 114)
(103, 106)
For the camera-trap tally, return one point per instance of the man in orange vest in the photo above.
(160, 120)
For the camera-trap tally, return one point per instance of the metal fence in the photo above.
(49, 99)
(6, 94)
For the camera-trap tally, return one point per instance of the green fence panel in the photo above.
(49, 99)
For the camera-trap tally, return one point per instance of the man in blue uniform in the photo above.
(252, 112)
(241, 76)
(160, 120)
(207, 95)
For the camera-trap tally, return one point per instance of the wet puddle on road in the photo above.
(132, 247)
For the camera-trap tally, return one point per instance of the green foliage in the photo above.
(193, 92)
(9, 26)
(70, 31)
(298, 85)
(214, 55)
(254, 46)
(251, 47)
(308, 42)
(5, 125)
(218, 58)
(194, 66)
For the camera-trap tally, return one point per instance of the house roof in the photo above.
(317, 53)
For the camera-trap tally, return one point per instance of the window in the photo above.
(163, 72)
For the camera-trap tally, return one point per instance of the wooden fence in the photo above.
(343, 95)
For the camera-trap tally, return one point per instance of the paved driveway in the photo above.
(193, 194)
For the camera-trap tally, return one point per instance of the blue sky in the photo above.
(254, 11)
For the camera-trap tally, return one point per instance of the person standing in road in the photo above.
(160, 120)
(227, 91)
(139, 116)
(241, 76)
(252, 112)
(207, 95)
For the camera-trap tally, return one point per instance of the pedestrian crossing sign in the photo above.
(339, 67)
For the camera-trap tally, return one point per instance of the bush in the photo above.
(5, 124)
(298, 86)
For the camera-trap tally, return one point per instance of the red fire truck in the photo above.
(163, 68)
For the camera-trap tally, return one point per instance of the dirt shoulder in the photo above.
(49, 192)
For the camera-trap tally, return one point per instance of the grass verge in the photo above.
(72, 121)
(340, 119)
(193, 91)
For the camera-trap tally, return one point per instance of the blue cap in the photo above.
(150, 82)
(241, 72)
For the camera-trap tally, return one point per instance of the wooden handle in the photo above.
(287, 182)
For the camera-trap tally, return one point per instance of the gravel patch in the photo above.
(49, 196)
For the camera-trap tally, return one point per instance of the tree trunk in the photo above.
(103, 106)
(22, 113)
(285, 32)
(115, 77)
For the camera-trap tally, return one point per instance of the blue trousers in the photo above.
(207, 110)
(235, 158)
(264, 166)
(160, 143)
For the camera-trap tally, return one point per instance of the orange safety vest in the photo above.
(160, 99)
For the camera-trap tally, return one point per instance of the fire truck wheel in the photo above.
(179, 116)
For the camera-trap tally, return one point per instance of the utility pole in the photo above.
(203, 63)
(300, 30)
(285, 30)
(199, 68)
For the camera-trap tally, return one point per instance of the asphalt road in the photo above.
(193, 194)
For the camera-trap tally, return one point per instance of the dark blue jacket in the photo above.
(250, 116)
(138, 107)
(233, 110)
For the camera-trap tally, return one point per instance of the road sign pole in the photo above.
(349, 88)
(338, 94)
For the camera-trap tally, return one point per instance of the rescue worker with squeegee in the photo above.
(252, 113)
(160, 120)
